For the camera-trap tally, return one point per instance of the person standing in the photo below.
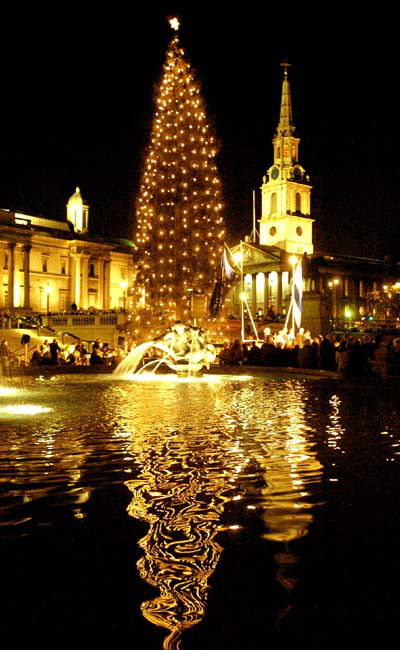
(54, 350)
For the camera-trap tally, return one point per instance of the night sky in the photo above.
(77, 104)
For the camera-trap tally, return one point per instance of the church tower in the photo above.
(285, 197)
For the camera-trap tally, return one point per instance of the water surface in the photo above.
(199, 515)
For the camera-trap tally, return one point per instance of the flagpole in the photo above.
(254, 233)
(288, 314)
(242, 286)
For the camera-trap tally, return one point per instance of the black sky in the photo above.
(77, 95)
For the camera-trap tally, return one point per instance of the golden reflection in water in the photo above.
(58, 457)
(285, 451)
(180, 493)
(290, 466)
(334, 429)
(186, 477)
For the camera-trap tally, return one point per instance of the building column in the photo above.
(266, 293)
(76, 280)
(106, 284)
(27, 289)
(254, 294)
(85, 282)
(11, 264)
(100, 290)
(355, 299)
(279, 293)
(2, 274)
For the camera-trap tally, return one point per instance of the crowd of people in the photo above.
(78, 354)
(346, 354)
(51, 353)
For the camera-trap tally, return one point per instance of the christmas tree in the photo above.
(179, 223)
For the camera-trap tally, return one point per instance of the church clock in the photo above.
(274, 173)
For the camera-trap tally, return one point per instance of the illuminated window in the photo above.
(273, 203)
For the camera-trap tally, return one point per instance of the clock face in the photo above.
(274, 173)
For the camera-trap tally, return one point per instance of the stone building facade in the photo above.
(50, 265)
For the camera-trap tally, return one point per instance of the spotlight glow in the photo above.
(24, 409)
(5, 392)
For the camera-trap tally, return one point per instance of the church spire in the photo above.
(285, 204)
(285, 126)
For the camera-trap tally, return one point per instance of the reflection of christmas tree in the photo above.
(180, 228)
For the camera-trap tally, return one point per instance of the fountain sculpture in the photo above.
(184, 349)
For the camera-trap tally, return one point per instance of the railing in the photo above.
(63, 319)
(368, 326)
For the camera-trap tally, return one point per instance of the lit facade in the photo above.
(336, 288)
(50, 265)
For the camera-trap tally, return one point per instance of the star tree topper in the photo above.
(174, 22)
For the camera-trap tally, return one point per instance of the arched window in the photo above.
(298, 202)
(273, 203)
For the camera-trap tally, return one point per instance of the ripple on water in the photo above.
(201, 464)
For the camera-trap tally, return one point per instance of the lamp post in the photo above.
(124, 286)
(48, 292)
(293, 261)
(333, 284)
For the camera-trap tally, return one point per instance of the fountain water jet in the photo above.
(185, 351)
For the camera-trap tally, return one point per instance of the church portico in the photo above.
(337, 289)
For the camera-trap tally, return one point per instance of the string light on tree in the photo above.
(179, 223)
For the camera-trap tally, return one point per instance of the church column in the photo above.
(11, 264)
(27, 249)
(266, 293)
(253, 294)
(279, 293)
(85, 282)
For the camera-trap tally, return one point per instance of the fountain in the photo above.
(185, 350)
(13, 397)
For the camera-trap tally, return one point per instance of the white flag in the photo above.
(297, 294)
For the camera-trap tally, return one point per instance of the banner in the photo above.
(297, 294)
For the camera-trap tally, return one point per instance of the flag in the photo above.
(297, 294)
(228, 272)
(229, 267)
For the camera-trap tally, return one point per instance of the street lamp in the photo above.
(124, 285)
(48, 292)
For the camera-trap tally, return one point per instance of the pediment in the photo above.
(254, 254)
